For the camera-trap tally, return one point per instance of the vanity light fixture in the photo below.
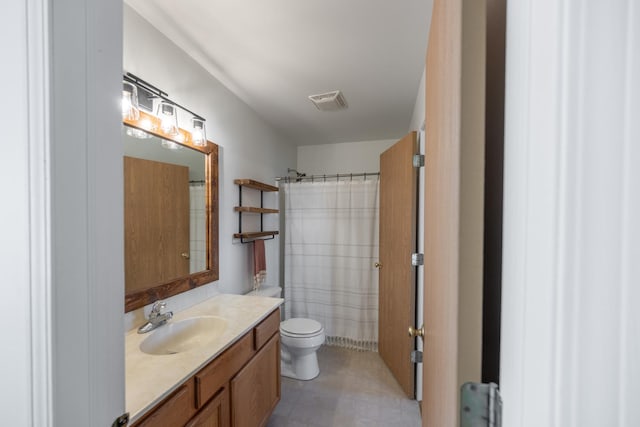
(130, 108)
(198, 135)
(168, 118)
(165, 123)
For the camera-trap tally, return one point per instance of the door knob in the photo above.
(413, 332)
(185, 255)
(377, 265)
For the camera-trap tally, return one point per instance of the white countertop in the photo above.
(149, 378)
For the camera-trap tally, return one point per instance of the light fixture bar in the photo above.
(157, 92)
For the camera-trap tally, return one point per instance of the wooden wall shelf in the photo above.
(250, 209)
(262, 187)
(250, 183)
(254, 234)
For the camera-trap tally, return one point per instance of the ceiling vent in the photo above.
(330, 101)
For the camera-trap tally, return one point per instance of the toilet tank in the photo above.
(267, 291)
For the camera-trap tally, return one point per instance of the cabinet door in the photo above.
(255, 391)
(215, 413)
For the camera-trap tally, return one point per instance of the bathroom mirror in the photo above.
(170, 212)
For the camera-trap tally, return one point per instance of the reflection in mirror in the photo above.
(164, 211)
(171, 213)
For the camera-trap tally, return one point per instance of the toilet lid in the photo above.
(300, 326)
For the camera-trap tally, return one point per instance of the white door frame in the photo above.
(62, 254)
(25, 309)
(570, 328)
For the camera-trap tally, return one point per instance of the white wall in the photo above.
(249, 148)
(570, 322)
(347, 157)
(417, 118)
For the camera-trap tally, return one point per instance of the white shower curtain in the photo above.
(331, 245)
(197, 228)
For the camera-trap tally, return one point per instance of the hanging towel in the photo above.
(259, 264)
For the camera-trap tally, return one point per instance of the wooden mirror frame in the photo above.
(158, 291)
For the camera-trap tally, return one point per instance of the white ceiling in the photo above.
(274, 53)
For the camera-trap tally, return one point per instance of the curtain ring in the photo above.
(324, 178)
(351, 177)
(365, 176)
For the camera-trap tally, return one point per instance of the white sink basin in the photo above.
(185, 335)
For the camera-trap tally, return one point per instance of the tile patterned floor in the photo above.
(353, 389)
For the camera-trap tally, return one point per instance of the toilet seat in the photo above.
(300, 327)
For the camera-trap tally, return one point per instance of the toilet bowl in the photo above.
(300, 338)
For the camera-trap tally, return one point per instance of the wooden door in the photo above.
(156, 222)
(397, 277)
(447, 330)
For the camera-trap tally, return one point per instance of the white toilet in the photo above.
(300, 339)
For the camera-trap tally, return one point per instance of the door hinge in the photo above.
(416, 356)
(480, 405)
(418, 160)
(417, 259)
(121, 421)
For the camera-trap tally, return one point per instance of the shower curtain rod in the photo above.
(326, 177)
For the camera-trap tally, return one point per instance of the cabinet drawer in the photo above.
(174, 410)
(217, 373)
(266, 329)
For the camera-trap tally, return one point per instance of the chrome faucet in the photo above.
(156, 318)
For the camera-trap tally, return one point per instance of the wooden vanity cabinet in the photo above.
(175, 410)
(214, 376)
(255, 390)
(239, 388)
(215, 413)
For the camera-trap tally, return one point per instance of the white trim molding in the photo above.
(25, 306)
(39, 202)
(570, 334)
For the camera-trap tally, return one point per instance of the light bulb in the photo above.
(198, 136)
(130, 108)
(168, 118)
(146, 124)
